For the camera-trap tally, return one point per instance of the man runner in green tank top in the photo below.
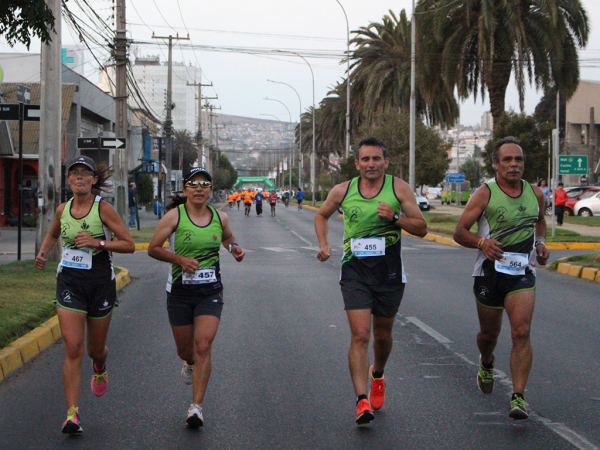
(377, 207)
(511, 236)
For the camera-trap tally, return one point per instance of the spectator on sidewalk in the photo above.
(132, 206)
(560, 199)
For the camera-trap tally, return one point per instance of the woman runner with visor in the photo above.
(195, 231)
(85, 284)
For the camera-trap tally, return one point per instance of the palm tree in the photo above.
(479, 44)
(381, 74)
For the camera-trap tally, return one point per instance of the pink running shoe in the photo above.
(377, 394)
(72, 425)
(99, 381)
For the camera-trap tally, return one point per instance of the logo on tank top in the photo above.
(522, 209)
(85, 226)
(214, 238)
(65, 227)
(501, 211)
(353, 213)
(187, 236)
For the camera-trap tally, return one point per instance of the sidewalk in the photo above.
(581, 229)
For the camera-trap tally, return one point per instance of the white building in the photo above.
(151, 76)
(487, 121)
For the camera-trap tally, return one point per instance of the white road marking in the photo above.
(430, 331)
(561, 429)
(306, 241)
(278, 249)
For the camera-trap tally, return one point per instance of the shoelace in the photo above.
(72, 413)
(379, 385)
(100, 378)
(487, 375)
(517, 402)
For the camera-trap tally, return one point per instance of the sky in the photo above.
(309, 26)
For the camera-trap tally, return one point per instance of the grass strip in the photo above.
(143, 236)
(26, 295)
(587, 260)
(588, 221)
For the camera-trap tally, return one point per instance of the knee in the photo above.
(186, 354)
(382, 336)
(96, 351)
(521, 332)
(488, 336)
(202, 347)
(361, 337)
(74, 350)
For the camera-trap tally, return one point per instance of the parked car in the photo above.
(588, 207)
(572, 192)
(423, 203)
(582, 196)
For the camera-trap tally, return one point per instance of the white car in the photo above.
(423, 203)
(588, 207)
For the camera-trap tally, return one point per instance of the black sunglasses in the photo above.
(195, 184)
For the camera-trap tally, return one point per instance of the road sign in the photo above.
(9, 111)
(113, 142)
(23, 94)
(31, 113)
(455, 178)
(572, 164)
(87, 143)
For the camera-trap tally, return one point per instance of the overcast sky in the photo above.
(240, 80)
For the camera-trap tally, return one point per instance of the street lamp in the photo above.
(290, 162)
(300, 165)
(412, 138)
(313, 155)
(277, 170)
(348, 82)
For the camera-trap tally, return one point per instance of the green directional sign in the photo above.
(572, 165)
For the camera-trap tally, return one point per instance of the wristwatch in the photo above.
(396, 217)
(231, 246)
(101, 245)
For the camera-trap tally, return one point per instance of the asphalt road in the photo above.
(280, 377)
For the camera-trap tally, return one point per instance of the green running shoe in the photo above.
(485, 377)
(518, 411)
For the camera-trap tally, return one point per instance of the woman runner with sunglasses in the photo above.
(195, 231)
(86, 290)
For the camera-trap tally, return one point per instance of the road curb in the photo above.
(577, 271)
(145, 246)
(17, 353)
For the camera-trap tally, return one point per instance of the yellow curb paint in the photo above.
(23, 349)
(563, 267)
(27, 346)
(556, 246)
(43, 336)
(145, 246)
(582, 246)
(589, 273)
(10, 360)
(575, 271)
(597, 279)
(54, 327)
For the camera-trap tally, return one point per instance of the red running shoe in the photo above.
(364, 413)
(377, 394)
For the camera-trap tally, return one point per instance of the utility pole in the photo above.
(169, 120)
(206, 151)
(199, 137)
(592, 180)
(49, 174)
(121, 60)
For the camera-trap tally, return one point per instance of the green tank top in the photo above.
(102, 269)
(200, 243)
(361, 221)
(510, 220)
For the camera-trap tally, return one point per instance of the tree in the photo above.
(431, 162)
(472, 170)
(545, 113)
(184, 146)
(527, 130)
(479, 44)
(224, 176)
(20, 20)
(348, 169)
(145, 189)
(381, 76)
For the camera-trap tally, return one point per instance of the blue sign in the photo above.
(455, 178)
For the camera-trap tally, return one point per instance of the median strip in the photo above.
(17, 353)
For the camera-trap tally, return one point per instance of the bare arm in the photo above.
(228, 238)
(412, 221)
(50, 239)
(327, 209)
(110, 217)
(541, 250)
(491, 248)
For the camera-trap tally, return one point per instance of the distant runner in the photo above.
(300, 197)
(247, 203)
(258, 198)
(273, 202)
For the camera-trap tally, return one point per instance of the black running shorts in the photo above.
(491, 291)
(383, 300)
(97, 300)
(183, 308)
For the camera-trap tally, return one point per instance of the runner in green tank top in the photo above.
(511, 236)
(85, 287)
(195, 231)
(377, 207)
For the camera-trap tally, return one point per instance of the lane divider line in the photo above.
(560, 429)
(18, 352)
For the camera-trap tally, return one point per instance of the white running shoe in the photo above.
(194, 417)
(186, 373)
